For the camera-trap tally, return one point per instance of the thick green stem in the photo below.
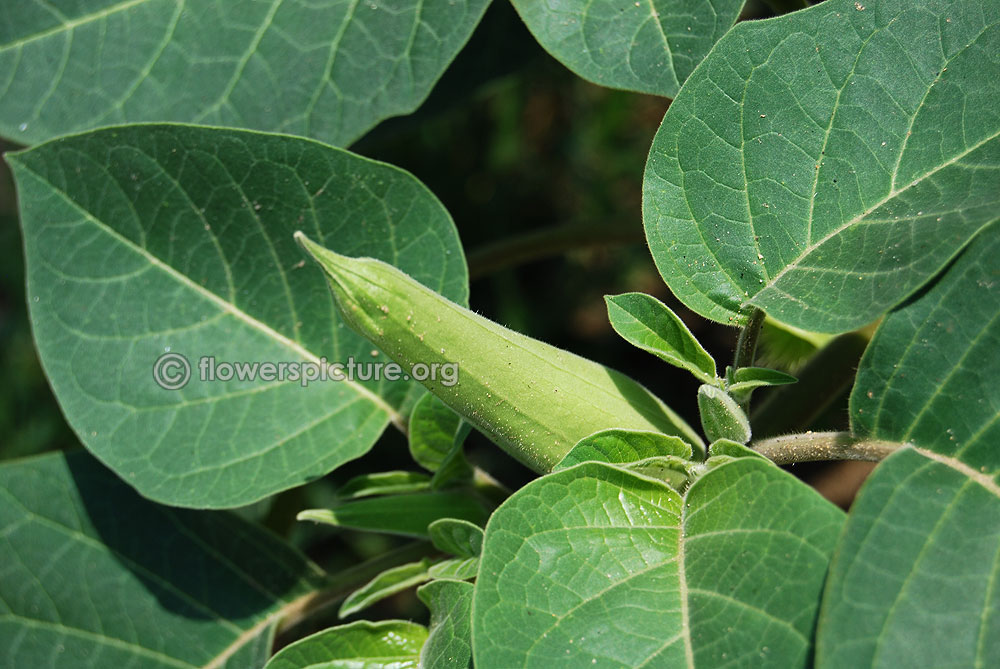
(548, 242)
(814, 446)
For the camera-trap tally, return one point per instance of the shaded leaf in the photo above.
(400, 514)
(95, 576)
(850, 150)
(148, 240)
(386, 584)
(913, 581)
(329, 69)
(594, 565)
(650, 47)
(384, 483)
(449, 644)
(433, 431)
(390, 644)
(649, 324)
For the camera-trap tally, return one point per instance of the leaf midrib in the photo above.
(861, 216)
(293, 346)
(72, 24)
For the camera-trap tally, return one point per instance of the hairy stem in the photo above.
(813, 446)
(746, 345)
(548, 242)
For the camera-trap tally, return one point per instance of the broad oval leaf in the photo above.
(645, 322)
(913, 582)
(96, 576)
(825, 164)
(650, 46)
(389, 644)
(146, 243)
(330, 69)
(595, 565)
(449, 644)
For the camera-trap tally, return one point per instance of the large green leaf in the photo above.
(824, 164)
(649, 46)
(143, 240)
(329, 69)
(914, 581)
(92, 575)
(390, 644)
(594, 565)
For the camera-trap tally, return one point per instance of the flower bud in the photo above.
(534, 400)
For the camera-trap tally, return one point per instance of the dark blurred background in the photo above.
(517, 148)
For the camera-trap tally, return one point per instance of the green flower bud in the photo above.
(534, 400)
(721, 416)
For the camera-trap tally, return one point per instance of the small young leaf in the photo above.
(457, 537)
(449, 644)
(620, 446)
(461, 569)
(748, 378)
(649, 324)
(384, 483)
(389, 644)
(408, 515)
(721, 417)
(434, 429)
(386, 584)
(732, 449)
